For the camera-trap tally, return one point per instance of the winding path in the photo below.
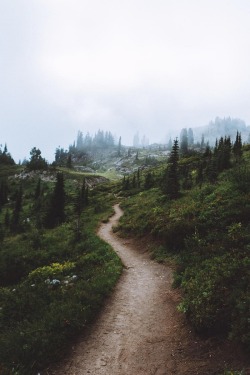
(139, 331)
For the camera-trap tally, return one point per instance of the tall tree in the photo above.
(79, 141)
(184, 141)
(15, 220)
(37, 162)
(171, 185)
(55, 214)
(119, 146)
(190, 137)
(5, 156)
(237, 148)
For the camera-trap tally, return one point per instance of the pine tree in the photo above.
(37, 207)
(69, 161)
(171, 185)
(15, 220)
(200, 176)
(3, 192)
(37, 162)
(184, 142)
(190, 137)
(237, 148)
(223, 154)
(119, 146)
(55, 214)
(149, 181)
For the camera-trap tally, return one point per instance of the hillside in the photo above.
(204, 229)
(192, 210)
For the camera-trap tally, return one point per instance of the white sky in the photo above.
(152, 66)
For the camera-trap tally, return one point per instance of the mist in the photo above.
(124, 67)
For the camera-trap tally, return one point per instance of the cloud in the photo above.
(119, 65)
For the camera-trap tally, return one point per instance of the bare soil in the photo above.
(139, 331)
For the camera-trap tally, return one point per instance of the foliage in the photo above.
(5, 157)
(55, 213)
(37, 162)
(52, 281)
(207, 231)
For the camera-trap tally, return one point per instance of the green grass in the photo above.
(52, 282)
(206, 231)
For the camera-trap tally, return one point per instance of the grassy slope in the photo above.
(39, 316)
(207, 232)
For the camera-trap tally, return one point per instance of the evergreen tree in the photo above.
(138, 178)
(55, 214)
(202, 142)
(237, 148)
(69, 161)
(7, 219)
(134, 181)
(5, 157)
(15, 220)
(37, 207)
(3, 192)
(37, 193)
(184, 142)
(171, 185)
(37, 162)
(119, 146)
(223, 153)
(149, 181)
(200, 176)
(170, 144)
(79, 141)
(190, 137)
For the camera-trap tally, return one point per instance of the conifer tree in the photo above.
(15, 220)
(190, 137)
(171, 186)
(69, 161)
(237, 148)
(119, 146)
(134, 181)
(148, 181)
(37, 162)
(138, 178)
(184, 142)
(3, 192)
(55, 214)
(37, 207)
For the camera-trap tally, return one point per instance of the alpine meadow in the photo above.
(188, 201)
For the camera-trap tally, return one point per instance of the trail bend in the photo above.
(139, 331)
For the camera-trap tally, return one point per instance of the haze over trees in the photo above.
(5, 156)
(194, 203)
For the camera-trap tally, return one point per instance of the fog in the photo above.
(143, 66)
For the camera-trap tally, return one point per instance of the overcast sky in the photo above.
(152, 66)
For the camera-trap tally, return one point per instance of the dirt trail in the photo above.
(139, 331)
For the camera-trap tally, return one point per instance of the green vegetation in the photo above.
(55, 272)
(52, 281)
(205, 228)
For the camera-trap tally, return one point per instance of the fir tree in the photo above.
(237, 148)
(69, 161)
(15, 220)
(149, 181)
(55, 214)
(119, 146)
(171, 185)
(37, 162)
(183, 142)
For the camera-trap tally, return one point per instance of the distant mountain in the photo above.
(222, 127)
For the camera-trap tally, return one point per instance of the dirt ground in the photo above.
(140, 332)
